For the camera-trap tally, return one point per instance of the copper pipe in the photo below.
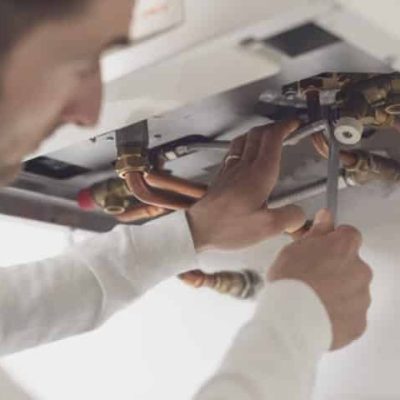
(141, 212)
(320, 144)
(139, 188)
(174, 184)
(347, 158)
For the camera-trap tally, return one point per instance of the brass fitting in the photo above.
(374, 101)
(372, 167)
(393, 106)
(112, 195)
(133, 160)
(114, 205)
(242, 285)
(370, 98)
(383, 118)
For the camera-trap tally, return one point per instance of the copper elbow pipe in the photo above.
(141, 212)
(321, 145)
(176, 185)
(139, 188)
(348, 159)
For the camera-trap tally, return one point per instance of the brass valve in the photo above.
(112, 195)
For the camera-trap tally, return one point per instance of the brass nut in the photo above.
(127, 163)
(115, 187)
(382, 118)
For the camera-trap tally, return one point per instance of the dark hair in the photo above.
(17, 17)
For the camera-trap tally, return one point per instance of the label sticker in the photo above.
(151, 17)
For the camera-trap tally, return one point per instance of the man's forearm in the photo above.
(276, 354)
(56, 298)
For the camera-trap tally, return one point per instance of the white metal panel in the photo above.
(157, 76)
(167, 86)
(209, 19)
(371, 25)
(154, 16)
(383, 13)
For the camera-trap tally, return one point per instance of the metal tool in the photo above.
(223, 145)
(320, 126)
(333, 174)
(333, 162)
(306, 131)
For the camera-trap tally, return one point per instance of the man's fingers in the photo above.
(349, 237)
(286, 219)
(286, 128)
(275, 134)
(253, 142)
(237, 146)
(270, 152)
(323, 224)
(236, 150)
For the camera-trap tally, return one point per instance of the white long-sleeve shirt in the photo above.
(274, 356)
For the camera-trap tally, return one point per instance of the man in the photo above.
(318, 291)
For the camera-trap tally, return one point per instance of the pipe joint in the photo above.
(131, 162)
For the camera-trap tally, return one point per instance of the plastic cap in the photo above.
(349, 130)
(85, 200)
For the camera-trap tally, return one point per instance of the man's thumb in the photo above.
(287, 219)
(323, 224)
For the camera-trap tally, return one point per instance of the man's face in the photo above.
(52, 77)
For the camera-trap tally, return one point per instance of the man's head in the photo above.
(49, 68)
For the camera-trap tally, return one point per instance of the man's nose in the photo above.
(84, 108)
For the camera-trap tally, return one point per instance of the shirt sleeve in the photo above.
(276, 354)
(52, 299)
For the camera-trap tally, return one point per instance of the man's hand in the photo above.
(234, 213)
(328, 260)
